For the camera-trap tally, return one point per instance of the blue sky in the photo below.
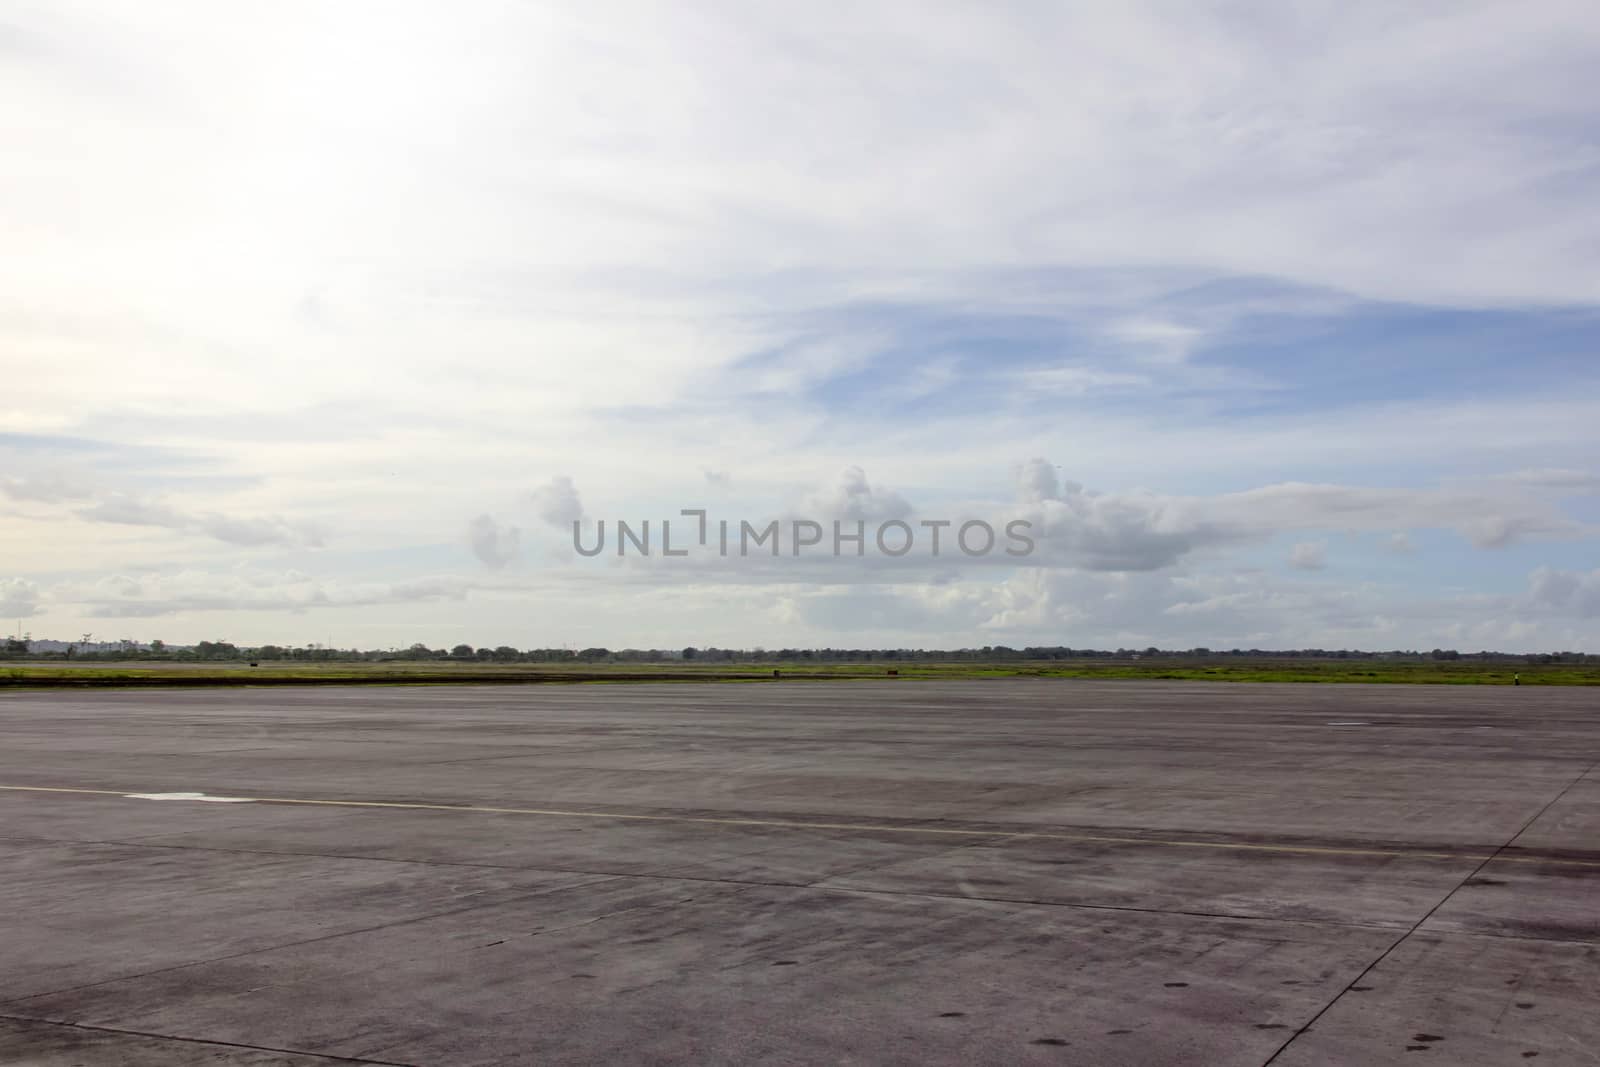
(1282, 328)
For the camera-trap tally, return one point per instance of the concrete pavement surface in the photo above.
(871, 872)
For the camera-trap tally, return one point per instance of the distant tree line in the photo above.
(207, 651)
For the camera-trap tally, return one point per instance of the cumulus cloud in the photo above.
(494, 545)
(852, 496)
(1568, 592)
(1115, 532)
(1037, 481)
(1124, 531)
(1176, 608)
(557, 502)
(1097, 609)
(1144, 531)
(19, 598)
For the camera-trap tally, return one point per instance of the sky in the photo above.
(1277, 324)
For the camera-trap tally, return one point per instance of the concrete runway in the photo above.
(881, 872)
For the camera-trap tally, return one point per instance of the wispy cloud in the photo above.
(140, 596)
(130, 509)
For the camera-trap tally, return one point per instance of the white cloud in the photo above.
(1157, 341)
(495, 545)
(145, 595)
(1071, 380)
(1574, 481)
(132, 509)
(1569, 592)
(853, 497)
(1037, 482)
(1309, 556)
(567, 194)
(1486, 516)
(1146, 531)
(1125, 531)
(1086, 609)
(249, 531)
(557, 503)
(392, 258)
(1077, 528)
(19, 598)
(50, 488)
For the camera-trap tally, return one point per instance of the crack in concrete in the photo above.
(201, 1041)
(1403, 938)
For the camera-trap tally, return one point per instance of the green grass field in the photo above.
(85, 675)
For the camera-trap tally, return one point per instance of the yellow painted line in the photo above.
(793, 824)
